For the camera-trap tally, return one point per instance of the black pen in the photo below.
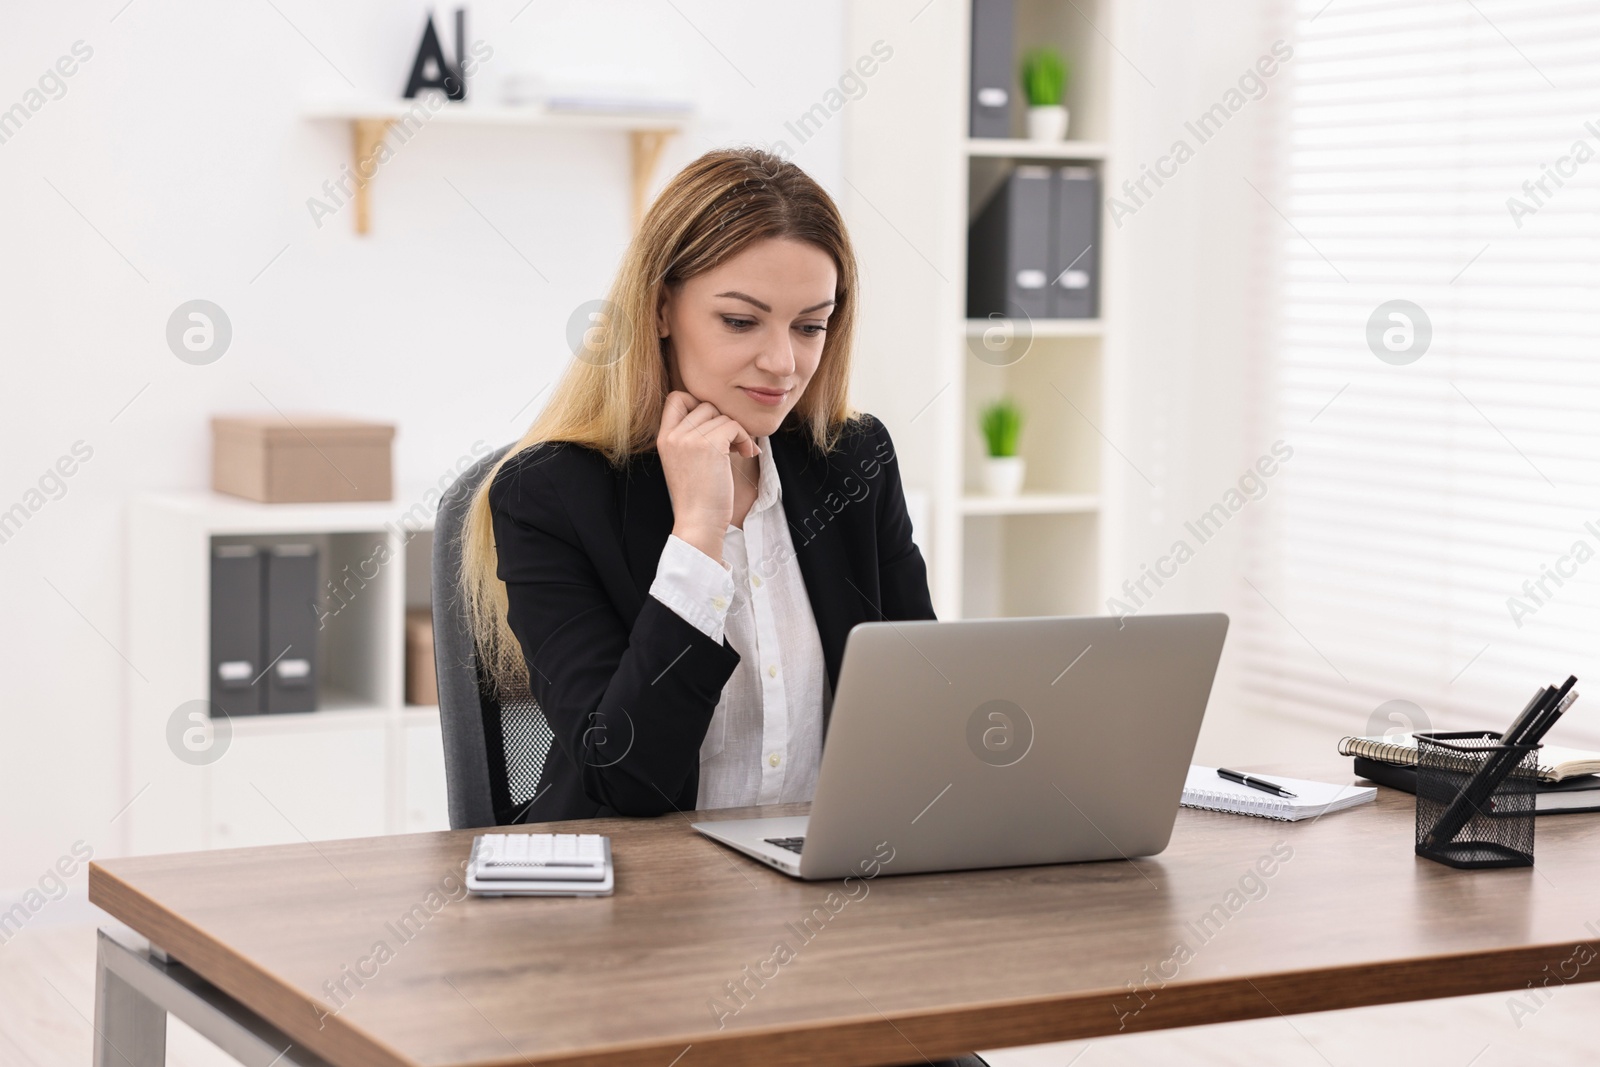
(1535, 733)
(1528, 714)
(1255, 783)
(1475, 793)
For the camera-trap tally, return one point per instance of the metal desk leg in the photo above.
(136, 986)
(130, 1030)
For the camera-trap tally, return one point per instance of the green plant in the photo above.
(1044, 76)
(1001, 423)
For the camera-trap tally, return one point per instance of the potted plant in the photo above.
(1044, 79)
(1001, 423)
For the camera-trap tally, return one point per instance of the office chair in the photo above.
(494, 750)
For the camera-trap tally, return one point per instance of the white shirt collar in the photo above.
(768, 491)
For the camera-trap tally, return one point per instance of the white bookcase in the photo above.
(916, 180)
(364, 763)
(1037, 553)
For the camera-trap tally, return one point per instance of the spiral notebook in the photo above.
(1203, 789)
(1556, 764)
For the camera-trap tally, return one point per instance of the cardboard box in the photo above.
(308, 459)
(422, 680)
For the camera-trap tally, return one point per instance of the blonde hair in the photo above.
(611, 396)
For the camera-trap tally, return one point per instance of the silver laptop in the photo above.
(998, 743)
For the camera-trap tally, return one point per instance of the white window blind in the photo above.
(1422, 497)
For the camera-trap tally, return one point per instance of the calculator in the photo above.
(544, 865)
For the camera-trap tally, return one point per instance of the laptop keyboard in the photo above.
(793, 844)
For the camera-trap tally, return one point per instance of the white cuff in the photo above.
(694, 585)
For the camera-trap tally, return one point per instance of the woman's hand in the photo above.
(695, 441)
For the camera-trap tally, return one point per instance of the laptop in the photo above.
(998, 743)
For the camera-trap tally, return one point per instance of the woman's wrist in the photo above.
(706, 540)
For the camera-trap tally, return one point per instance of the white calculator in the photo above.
(541, 865)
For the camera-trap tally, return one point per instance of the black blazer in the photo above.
(627, 684)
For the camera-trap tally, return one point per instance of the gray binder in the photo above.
(291, 629)
(1008, 248)
(236, 629)
(1075, 257)
(993, 77)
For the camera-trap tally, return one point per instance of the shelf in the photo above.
(1022, 148)
(338, 711)
(371, 120)
(222, 514)
(1021, 563)
(502, 115)
(1047, 327)
(1031, 503)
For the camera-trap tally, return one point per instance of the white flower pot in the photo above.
(1002, 475)
(1048, 123)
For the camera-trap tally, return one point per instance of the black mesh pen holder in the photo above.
(1462, 823)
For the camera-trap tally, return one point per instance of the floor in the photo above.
(47, 1001)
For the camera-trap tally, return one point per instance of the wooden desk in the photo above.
(1239, 918)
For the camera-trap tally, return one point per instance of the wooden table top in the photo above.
(704, 957)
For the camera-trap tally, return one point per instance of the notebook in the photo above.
(1555, 762)
(1203, 789)
(1577, 794)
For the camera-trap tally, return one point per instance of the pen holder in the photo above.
(1493, 828)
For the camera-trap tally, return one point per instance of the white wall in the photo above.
(1187, 325)
(902, 135)
(177, 165)
(181, 144)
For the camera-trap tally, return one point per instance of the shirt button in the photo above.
(719, 602)
(774, 759)
(756, 581)
(772, 672)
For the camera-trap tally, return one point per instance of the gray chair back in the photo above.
(494, 749)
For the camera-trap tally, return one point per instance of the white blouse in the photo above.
(765, 739)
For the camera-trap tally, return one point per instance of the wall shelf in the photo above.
(371, 121)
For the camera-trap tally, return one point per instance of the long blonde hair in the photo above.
(611, 396)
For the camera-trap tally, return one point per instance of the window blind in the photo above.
(1436, 536)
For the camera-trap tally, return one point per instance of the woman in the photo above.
(672, 556)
